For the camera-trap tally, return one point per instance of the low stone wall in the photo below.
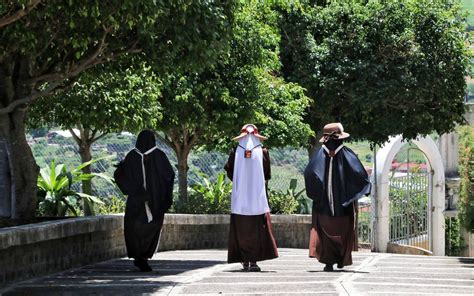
(35, 249)
(182, 232)
(32, 250)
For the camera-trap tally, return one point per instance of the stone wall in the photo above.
(33, 250)
(182, 232)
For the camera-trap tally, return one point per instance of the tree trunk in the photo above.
(23, 168)
(183, 173)
(85, 152)
(84, 140)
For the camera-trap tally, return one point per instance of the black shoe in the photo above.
(254, 267)
(339, 265)
(142, 264)
(328, 267)
(245, 266)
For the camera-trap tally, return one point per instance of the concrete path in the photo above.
(205, 272)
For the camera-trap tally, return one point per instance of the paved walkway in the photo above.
(205, 272)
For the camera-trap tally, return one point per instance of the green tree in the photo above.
(103, 100)
(206, 108)
(380, 67)
(44, 43)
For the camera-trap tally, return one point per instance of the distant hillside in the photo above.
(469, 6)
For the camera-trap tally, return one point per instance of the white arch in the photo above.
(380, 198)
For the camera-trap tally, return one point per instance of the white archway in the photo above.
(380, 197)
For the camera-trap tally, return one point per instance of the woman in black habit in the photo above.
(335, 179)
(146, 176)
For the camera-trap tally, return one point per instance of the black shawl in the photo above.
(350, 181)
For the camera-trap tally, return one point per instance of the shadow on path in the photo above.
(469, 261)
(339, 271)
(249, 272)
(117, 277)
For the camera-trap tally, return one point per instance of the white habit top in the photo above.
(249, 195)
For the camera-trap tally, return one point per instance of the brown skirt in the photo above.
(332, 239)
(251, 239)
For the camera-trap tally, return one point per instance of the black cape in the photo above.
(141, 236)
(350, 181)
(159, 175)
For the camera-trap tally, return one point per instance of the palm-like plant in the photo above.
(55, 195)
(216, 194)
(305, 205)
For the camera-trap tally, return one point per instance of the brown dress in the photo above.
(332, 239)
(250, 237)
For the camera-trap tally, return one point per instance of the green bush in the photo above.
(281, 202)
(453, 239)
(114, 205)
(215, 198)
(466, 173)
(207, 197)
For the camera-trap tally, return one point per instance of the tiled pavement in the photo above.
(293, 273)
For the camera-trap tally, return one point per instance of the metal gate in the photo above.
(410, 192)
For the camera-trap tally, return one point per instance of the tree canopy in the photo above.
(208, 107)
(109, 98)
(380, 67)
(44, 43)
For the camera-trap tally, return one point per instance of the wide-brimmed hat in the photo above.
(335, 130)
(249, 129)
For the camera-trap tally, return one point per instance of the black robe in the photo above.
(333, 236)
(141, 237)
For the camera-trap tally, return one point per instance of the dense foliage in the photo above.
(242, 86)
(380, 67)
(466, 173)
(45, 43)
(107, 99)
(282, 203)
(207, 197)
(454, 243)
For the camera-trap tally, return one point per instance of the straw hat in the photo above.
(249, 129)
(335, 130)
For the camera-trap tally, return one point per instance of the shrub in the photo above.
(466, 173)
(207, 197)
(453, 239)
(215, 198)
(281, 202)
(291, 201)
(114, 205)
